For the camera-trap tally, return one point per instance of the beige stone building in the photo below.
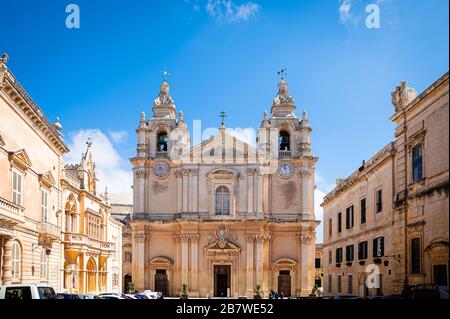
(223, 216)
(386, 226)
(92, 238)
(123, 213)
(31, 167)
(55, 227)
(318, 277)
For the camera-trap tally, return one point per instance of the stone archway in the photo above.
(91, 269)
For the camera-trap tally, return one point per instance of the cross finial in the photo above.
(165, 74)
(223, 115)
(89, 142)
(282, 73)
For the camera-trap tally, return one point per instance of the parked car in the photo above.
(141, 296)
(111, 296)
(84, 296)
(429, 291)
(122, 296)
(27, 292)
(67, 296)
(130, 296)
(152, 294)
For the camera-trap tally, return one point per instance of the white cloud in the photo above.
(112, 170)
(118, 136)
(228, 11)
(322, 188)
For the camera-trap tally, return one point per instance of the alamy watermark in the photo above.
(73, 19)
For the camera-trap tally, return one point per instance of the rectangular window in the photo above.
(349, 253)
(330, 227)
(339, 255)
(44, 205)
(318, 263)
(350, 284)
(330, 283)
(17, 188)
(417, 162)
(378, 247)
(339, 283)
(415, 256)
(339, 223)
(349, 217)
(379, 201)
(330, 257)
(362, 250)
(363, 211)
(43, 264)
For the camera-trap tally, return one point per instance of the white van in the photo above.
(27, 292)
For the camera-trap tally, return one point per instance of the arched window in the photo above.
(43, 264)
(16, 260)
(285, 141)
(162, 142)
(222, 201)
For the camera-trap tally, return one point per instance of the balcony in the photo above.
(282, 154)
(11, 213)
(75, 241)
(48, 232)
(162, 155)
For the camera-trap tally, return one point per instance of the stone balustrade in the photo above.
(10, 212)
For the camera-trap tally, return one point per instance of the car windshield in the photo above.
(46, 293)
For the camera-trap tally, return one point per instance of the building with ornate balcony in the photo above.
(386, 226)
(31, 167)
(92, 238)
(224, 217)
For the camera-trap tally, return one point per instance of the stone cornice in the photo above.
(387, 152)
(14, 90)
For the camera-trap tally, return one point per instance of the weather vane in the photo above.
(165, 74)
(282, 73)
(223, 115)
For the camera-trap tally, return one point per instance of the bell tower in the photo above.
(162, 139)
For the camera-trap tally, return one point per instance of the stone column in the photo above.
(250, 287)
(139, 261)
(194, 266)
(185, 191)
(259, 260)
(305, 260)
(7, 262)
(260, 192)
(179, 181)
(184, 259)
(195, 190)
(250, 174)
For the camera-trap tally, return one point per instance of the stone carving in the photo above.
(283, 96)
(141, 174)
(402, 95)
(164, 97)
(159, 188)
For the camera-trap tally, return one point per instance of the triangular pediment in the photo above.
(20, 158)
(47, 179)
(223, 145)
(222, 245)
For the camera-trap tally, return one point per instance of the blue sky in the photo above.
(100, 77)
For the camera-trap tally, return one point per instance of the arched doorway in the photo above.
(91, 269)
(127, 280)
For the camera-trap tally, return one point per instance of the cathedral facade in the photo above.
(224, 218)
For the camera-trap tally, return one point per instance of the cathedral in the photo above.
(224, 218)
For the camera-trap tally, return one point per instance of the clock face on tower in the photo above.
(286, 169)
(161, 169)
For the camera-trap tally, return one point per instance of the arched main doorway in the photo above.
(91, 269)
